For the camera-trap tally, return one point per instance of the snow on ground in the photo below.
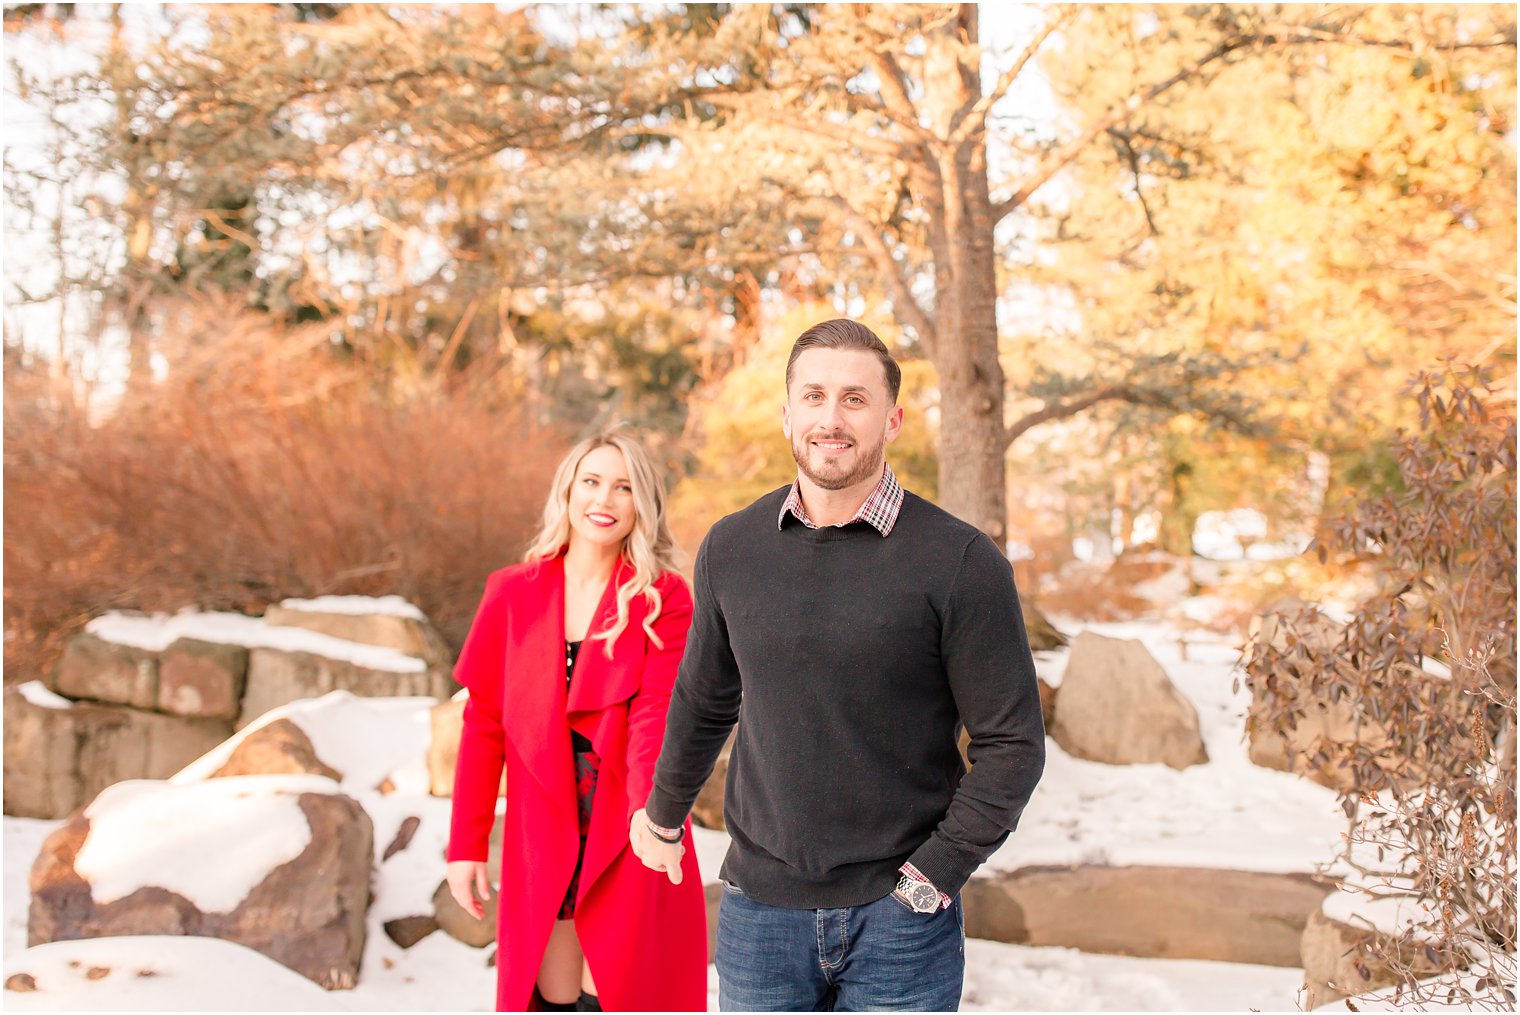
(390, 606)
(1228, 813)
(159, 631)
(1001, 977)
(23, 840)
(160, 974)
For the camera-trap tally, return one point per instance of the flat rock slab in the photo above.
(106, 671)
(1148, 912)
(277, 677)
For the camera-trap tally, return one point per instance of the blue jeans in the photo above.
(881, 956)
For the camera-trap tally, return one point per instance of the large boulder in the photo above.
(278, 864)
(58, 753)
(1341, 960)
(1149, 912)
(446, 723)
(107, 671)
(1325, 732)
(202, 678)
(1117, 705)
(41, 753)
(277, 676)
(276, 748)
(117, 744)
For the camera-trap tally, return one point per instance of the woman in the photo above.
(569, 665)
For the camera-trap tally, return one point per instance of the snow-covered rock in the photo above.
(280, 864)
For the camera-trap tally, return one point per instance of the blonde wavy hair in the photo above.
(649, 549)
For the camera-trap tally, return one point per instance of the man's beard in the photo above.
(868, 462)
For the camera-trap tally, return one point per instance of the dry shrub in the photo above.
(261, 467)
(1431, 800)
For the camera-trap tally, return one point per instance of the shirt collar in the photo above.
(879, 510)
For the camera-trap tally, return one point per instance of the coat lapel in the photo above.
(535, 684)
(599, 681)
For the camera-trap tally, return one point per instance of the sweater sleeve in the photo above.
(703, 707)
(991, 675)
(477, 773)
(647, 710)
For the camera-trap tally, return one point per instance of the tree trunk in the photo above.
(972, 484)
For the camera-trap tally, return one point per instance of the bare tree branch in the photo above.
(977, 119)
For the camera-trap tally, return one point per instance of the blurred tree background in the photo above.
(306, 298)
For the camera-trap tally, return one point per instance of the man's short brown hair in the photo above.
(843, 333)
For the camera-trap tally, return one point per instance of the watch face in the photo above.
(923, 897)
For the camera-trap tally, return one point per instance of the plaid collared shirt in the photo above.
(879, 510)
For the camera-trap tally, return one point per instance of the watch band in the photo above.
(670, 836)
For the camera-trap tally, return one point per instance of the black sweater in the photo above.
(848, 660)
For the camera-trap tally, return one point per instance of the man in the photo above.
(852, 626)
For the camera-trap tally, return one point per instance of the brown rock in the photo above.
(460, 925)
(1043, 635)
(277, 677)
(1149, 912)
(276, 748)
(41, 759)
(446, 721)
(1047, 702)
(308, 914)
(1117, 705)
(202, 678)
(1323, 730)
(118, 743)
(408, 930)
(404, 634)
(403, 837)
(451, 916)
(1341, 960)
(22, 983)
(108, 672)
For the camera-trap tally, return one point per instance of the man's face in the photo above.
(839, 416)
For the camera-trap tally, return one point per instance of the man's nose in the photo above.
(833, 417)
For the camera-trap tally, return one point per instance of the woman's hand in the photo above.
(470, 886)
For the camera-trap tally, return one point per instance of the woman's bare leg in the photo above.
(587, 983)
(562, 972)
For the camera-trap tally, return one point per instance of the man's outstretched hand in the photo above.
(656, 855)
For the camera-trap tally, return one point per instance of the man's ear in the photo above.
(786, 422)
(894, 423)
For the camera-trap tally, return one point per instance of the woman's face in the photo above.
(601, 499)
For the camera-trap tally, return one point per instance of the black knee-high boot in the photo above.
(588, 1002)
(546, 1005)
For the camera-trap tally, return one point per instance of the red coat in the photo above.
(644, 938)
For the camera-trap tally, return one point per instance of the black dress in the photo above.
(587, 764)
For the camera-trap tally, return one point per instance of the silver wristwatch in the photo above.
(920, 895)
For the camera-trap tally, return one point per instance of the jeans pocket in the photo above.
(903, 903)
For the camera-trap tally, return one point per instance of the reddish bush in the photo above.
(259, 468)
